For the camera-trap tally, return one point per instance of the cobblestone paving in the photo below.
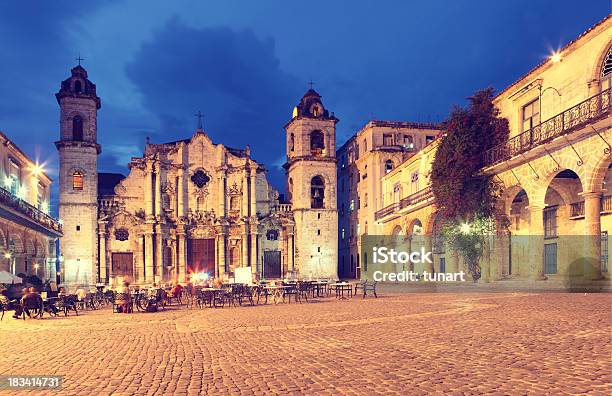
(408, 344)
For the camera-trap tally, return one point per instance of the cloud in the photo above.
(233, 76)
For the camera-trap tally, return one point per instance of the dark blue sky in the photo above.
(245, 64)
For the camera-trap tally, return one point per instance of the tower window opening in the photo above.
(77, 181)
(317, 192)
(77, 128)
(317, 143)
(78, 87)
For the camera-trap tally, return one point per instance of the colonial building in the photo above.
(27, 231)
(363, 160)
(555, 172)
(193, 206)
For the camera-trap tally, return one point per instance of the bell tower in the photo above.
(311, 186)
(78, 180)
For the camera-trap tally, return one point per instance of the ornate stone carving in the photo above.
(235, 190)
(201, 232)
(200, 217)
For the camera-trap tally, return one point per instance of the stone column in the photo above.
(452, 259)
(245, 250)
(429, 267)
(149, 257)
(536, 243)
(222, 196)
(592, 232)
(148, 189)
(181, 265)
(254, 252)
(159, 253)
(290, 258)
(158, 199)
(102, 259)
(222, 255)
(181, 194)
(253, 193)
(245, 195)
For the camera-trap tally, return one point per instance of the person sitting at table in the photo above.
(30, 298)
(4, 298)
(177, 290)
(123, 297)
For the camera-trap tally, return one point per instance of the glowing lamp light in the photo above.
(200, 277)
(8, 182)
(37, 169)
(45, 207)
(555, 57)
(465, 228)
(22, 192)
(7, 255)
(36, 266)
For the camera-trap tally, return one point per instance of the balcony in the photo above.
(22, 212)
(283, 208)
(572, 119)
(411, 200)
(577, 208)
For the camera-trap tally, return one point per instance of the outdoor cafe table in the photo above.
(276, 292)
(320, 287)
(341, 287)
(213, 291)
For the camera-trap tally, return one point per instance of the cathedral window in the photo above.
(317, 143)
(77, 181)
(200, 178)
(272, 235)
(317, 192)
(78, 87)
(122, 234)
(388, 166)
(77, 128)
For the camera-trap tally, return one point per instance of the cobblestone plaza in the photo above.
(410, 343)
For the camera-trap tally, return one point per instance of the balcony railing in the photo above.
(577, 208)
(410, 200)
(282, 208)
(563, 123)
(29, 211)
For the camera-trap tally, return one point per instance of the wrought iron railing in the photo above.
(563, 123)
(31, 212)
(410, 200)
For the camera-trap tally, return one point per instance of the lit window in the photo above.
(77, 181)
(531, 115)
(408, 142)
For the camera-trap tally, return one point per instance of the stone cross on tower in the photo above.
(311, 83)
(200, 117)
(79, 59)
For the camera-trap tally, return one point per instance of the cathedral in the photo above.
(194, 206)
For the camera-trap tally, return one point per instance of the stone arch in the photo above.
(15, 244)
(598, 175)
(410, 226)
(550, 170)
(397, 230)
(508, 196)
(40, 249)
(2, 240)
(561, 190)
(30, 248)
(596, 76)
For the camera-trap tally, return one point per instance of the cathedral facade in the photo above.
(194, 206)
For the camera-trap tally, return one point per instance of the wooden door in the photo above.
(272, 264)
(123, 265)
(201, 256)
